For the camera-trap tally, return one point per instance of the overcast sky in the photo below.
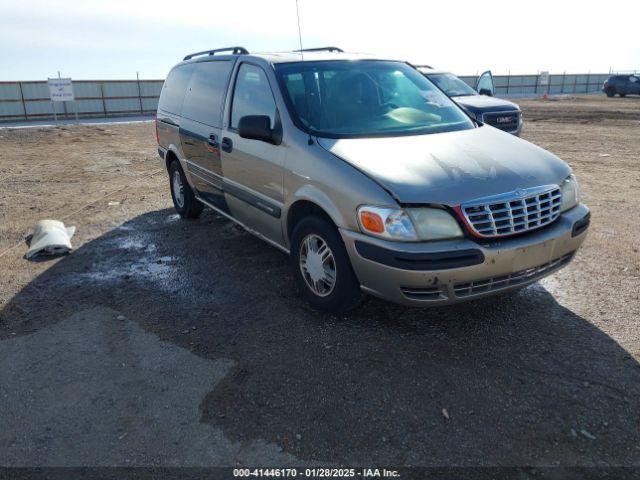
(116, 38)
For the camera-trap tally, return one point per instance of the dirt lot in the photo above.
(163, 342)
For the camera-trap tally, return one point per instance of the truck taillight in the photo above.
(157, 136)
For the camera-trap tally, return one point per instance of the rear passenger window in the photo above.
(252, 95)
(203, 102)
(174, 89)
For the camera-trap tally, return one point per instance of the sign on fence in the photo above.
(544, 78)
(60, 89)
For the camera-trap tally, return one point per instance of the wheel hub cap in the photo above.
(178, 190)
(317, 265)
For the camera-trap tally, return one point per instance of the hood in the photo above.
(452, 167)
(485, 103)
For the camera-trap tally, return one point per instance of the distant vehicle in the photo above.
(478, 103)
(366, 174)
(622, 85)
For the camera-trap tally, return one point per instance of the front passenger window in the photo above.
(252, 95)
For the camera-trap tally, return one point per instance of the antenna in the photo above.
(306, 97)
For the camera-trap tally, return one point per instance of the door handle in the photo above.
(227, 144)
(168, 121)
(213, 140)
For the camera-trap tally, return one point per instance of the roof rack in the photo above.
(233, 50)
(321, 49)
(424, 66)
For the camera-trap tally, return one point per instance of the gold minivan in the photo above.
(366, 174)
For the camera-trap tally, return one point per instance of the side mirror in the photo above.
(256, 127)
(485, 91)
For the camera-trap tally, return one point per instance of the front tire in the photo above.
(610, 92)
(184, 200)
(322, 268)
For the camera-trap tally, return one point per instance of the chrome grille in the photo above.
(498, 283)
(507, 121)
(514, 212)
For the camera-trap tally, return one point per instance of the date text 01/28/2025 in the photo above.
(316, 472)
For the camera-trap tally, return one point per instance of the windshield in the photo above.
(339, 99)
(451, 85)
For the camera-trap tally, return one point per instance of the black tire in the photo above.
(190, 207)
(610, 92)
(345, 294)
(622, 95)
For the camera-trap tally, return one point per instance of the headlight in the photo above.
(570, 193)
(434, 223)
(408, 225)
(391, 223)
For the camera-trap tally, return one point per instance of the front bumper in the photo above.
(433, 273)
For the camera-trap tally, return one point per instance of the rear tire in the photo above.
(322, 268)
(622, 95)
(184, 200)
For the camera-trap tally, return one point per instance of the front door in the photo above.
(253, 169)
(485, 85)
(201, 128)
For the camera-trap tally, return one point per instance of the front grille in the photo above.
(507, 121)
(499, 283)
(514, 212)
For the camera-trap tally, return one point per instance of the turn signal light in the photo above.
(371, 221)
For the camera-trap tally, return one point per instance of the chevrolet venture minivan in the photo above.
(366, 174)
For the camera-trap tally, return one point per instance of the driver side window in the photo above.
(252, 95)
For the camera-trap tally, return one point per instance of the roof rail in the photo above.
(321, 49)
(424, 66)
(233, 50)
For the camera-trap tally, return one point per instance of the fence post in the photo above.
(564, 74)
(104, 105)
(139, 91)
(508, 81)
(535, 88)
(24, 105)
(586, 89)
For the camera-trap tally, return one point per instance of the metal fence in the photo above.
(529, 85)
(93, 98)
(104, 98)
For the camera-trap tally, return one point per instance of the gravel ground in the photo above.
(165, 342)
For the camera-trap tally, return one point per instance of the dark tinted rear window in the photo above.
(174, 89)
(203, 102)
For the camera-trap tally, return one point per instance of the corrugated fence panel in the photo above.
(10, 91)
(87, 89)
(120, 89)
(151, 88)
(128, 105)
(132, 97)
(11, 109)
(149, 104)
(32, 90)
(89, 106)
(42, 107)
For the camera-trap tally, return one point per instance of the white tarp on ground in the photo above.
(50, 237)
